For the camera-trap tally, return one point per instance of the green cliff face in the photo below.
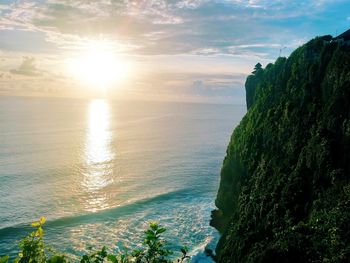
(284, 194)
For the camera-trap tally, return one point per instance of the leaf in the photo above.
(57, 259)
(160, 230)
(103, 252)
(149, 233)
(112, 258)
(136, 252)
(4, 259)
(184, 250)
(40, 231)
(85, 258)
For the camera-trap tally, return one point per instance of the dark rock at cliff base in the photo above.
(284, 193)
(218, 220)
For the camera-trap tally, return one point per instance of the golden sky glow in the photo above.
(183, 50)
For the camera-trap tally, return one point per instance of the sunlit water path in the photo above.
(98, 156)
(100, 170)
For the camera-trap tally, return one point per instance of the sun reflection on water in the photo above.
(98, 155)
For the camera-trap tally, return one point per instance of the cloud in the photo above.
(27, 68)
(190, 4)
(195, 39)
(186, 26)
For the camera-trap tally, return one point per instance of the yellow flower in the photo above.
(36, 224)
(42, 220)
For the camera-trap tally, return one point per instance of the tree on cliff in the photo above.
(257, 68)
(251, 83)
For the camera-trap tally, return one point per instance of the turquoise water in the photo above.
(100, 170)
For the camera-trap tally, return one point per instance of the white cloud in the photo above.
(190, 4)
(187, 26)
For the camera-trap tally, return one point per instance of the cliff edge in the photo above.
(284, 193)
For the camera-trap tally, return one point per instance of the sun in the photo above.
(98, 65)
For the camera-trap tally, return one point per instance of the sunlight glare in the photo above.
(99, 66)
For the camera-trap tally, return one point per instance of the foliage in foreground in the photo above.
(34, 250)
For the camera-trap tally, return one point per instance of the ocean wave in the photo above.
(99, 216)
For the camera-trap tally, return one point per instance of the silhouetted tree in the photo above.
(257, 68)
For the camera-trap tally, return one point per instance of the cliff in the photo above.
(284, 193)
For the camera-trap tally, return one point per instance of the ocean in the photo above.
(100, 170)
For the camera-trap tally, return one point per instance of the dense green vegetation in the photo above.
(34, 250)
(285, 191)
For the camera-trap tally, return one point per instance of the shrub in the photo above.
(34, 250)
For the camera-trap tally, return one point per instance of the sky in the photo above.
(179, 50)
